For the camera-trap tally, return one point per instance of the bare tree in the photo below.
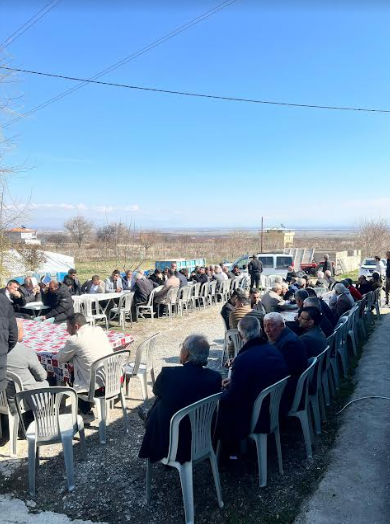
(32, 256)
(148, 239)
(373, 236)
(79, 228)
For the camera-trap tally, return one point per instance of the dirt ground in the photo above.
(110, 484)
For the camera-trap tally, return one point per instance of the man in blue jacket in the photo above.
(257, 366)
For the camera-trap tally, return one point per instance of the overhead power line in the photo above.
(32, 21)
(198, 95)
(130, 57)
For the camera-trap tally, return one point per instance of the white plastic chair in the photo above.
(274, 393)
(109, 371)
(92, 311)
(195, 295)
(141, 309)
(204, 295)
(201, 416)
(231, 335)
(300, 404)
(50, 427)
(170, 302)
(212, 297)
(142, 365)
(328, 385)
(316, 396)
(13, 419)
(184, 300)
(123, 310)
(223, 291)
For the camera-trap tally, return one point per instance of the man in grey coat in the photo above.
(8, 336)
(24, 362)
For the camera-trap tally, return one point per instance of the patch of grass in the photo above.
(352, 274)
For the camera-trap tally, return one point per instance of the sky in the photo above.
(162, 160)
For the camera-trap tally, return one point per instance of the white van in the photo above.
(273, 263)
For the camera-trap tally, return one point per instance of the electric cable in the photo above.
(128, 58)
(361, 398)
(194, 94)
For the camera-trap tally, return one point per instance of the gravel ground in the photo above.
(110, 485)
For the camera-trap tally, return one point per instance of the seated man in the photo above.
(290, 274)
(24, 362)
(14, 294)
(95, 285)
(75, 286)
(142, 288)
(312, 336)
(376, 281)
(58, 299)
(321, 280)
(242, 307)
(288, 343)
(200, 275)
(175, 388)
(363, 285)
(85, 345)
(228, 307)
(128, 281)
(300, 296)
(180, 276)
(273, 301)
(157, 277)
(341, 301)
(171, 283)
(329, 279)
(219, 276)
(325, 325)
(113, 284)
(254, 297)
(257, 366)
(348, 283)
(31, 292)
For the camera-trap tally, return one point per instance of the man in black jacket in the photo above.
(313, 337)
(255, 268)
(142, 288)
(257, 366)
(176, 388)
(228, 307)
(14, 295)
(59, 300)
(8, 336)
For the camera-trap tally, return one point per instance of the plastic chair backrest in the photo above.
(315, 381)
(213, 287)
(275, 393)
(88, 306)
(233, 336)
(151, 296)
(196, 290)
(172, 295)
(125, 302)
(186, 293)
(144, 354)
(109, 370)
(201, 416)
(45, 405)
(301, 392)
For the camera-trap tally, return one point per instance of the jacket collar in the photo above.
(258, 341)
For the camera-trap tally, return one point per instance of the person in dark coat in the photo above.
(14, 295)
(8, 336)
(128, 281)
(179, 275)
(75, 286)
(363, 285)
(157, 277)
(228, 307)
(176, 388)
(142, 288)
(255, 268)
(59, 300)
(313, 337)
(325, 325)
(257, 366)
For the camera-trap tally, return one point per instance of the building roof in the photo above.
(21, 230)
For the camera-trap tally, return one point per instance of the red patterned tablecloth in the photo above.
(47, 339)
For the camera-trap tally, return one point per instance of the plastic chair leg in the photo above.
(124, 411)
(32, 465)
(13, 424)
(217, 481)
(279, 450)
(68, 457)
(148, 480)
(316, 412)
(335, 371)
(185, 472)
(304, 420)
(1, 431)
(83, 444)
(144, 385)
(322, 403)
(353, 341)
(153, 376)
(325, 387)
(101, 408)
(261, 448)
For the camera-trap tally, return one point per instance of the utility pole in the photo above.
(261, 234)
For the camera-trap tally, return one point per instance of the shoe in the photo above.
(88, 417)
